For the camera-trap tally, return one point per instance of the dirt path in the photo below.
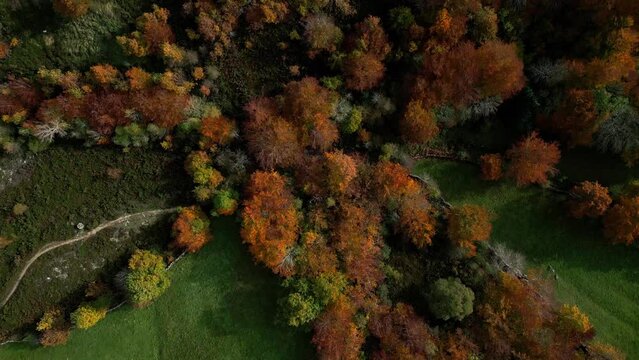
(13, 285)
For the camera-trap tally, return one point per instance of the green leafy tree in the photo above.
(147, 278)
(449, 299)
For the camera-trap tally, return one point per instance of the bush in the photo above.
(86, 316)
(449, 299)
(54, 337)
(147, 278)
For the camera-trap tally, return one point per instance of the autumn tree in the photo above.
(532, 160)
(621, 222)
(368, 46)
(358, 242)
(417, 221)
(104, 74)
(216, 131)
(392, 182)
(322, 34)
(588, 199)
(418, 125)
(491, 167)
(576, 119)
(138, 78)
(191, 229)
(341, 169)
(467, 225)
(263, 12)
(270, 221)
(306, 103)
(161, 107)
(402, 334)
(71, 8)
(271, 139)
(336, 336)
(147, 278)
(153, 32)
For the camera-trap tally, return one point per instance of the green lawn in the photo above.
(602, 279)
(220, 306)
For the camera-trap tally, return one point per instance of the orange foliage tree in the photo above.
(491, 167)
(392, 182)
(270, 221)
(532, 160)
(216, 131)
(138, 78)
(417, 221)
(468, 224)
(263, 12)
(621, 222)
(191, 229)
(402, 334)
(336, 334)
(588, 199)
(418, 124)
(358, 241)
(368, 46)
(71, 8)
(576, 119)
(273, 142)
(341, 169)
(162, 107)
(104, 74)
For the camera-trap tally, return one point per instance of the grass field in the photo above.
(219, 306)
(602, 279)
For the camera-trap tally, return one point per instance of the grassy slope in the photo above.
(602, 279)
(219, 306)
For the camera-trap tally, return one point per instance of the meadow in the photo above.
(602, 279)
(219, 306)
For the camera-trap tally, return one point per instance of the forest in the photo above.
(330, 179)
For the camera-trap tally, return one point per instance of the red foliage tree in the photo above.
(402, 334)
(621, 223)
(491, 167)
(368, 46)
(588, 199)
(273, 142)
(336, 335)
(363, 71)
(341, 169)
(305, 100)
(392, 182)
(155, 29)
(270, 221)
(532, 160)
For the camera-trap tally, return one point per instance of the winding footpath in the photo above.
(13, 285)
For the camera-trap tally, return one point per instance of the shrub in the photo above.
(147, 278)
(54, 337)
(86, 316)
(49, 320)
(450, 299)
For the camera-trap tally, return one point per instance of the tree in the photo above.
(418, 125)
(273, 142)
(468, 224)
(71, 8)
(138, 78)
(306, 99)
(104, 74)
(621, 222)
(417, 221)
(392, 182)
(322, 34)
(191, 229)
(147, 278)
(216, 131)
(363, 71)
(162, 107)
(54, 337)
(341, 169)
(206, 178)
(588, 199)
(87, 316)
(449, 299)
(576, 119)
(263, 12)
(533, 160)
(402, 334)
(270, 221)
(491, 167)
(358, 242)
(336, 334)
